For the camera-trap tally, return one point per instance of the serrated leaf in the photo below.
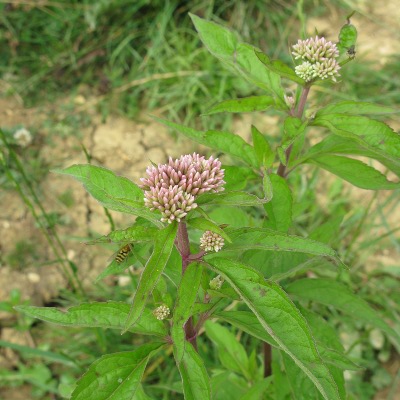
(115, 268)
(354, 171)
(243, 105)
(232, 354)
(374, 135)
(133, 234)
(264, 154)
(267, 239)
(279, 67)
(152, 272)
(355, 108)
(281, 319)
(204, 224)
(336, 294)
(111, 191)
(109, 315)
(186, 297)
(226, 198)
(226, 142)
(279, 209)
(334, 144)
(257, 390)
(114, 376)
(196, 383)
(223, 44)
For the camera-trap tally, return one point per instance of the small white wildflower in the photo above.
(161, 312)
(216, 283)
(290, 101)
(211, 241)
(23, 137)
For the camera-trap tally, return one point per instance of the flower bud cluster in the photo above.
(319, 59)
(172, 188)
(161, 312)
(216, 283)
(211, 241)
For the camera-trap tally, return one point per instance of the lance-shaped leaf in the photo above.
(204, 224)
(354, 171)
(279, 67)
(196, 383)
(374, 135)
(231, 352)
(267, 239)
(347, 37)
(355, 108)
(223, 44)
(334, 144)
(246, 104)
(338, 295)
(133, 234)
(111, 191)
(264, 154)
(187, 293)
(226, 198)
(152, 272)
(279, 209)
(115, 267)
(114, 376)
(226, 142)
(281, 319)
(109, 315)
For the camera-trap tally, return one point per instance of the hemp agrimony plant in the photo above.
(216, 246)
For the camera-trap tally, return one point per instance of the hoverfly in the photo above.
(351, 51)
(123, 253)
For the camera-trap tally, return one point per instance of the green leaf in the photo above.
(336, 294)
(373, 135)
(279, 67)
(232, 354)
(246, 104)
(281, 319)
(114, 376)
(347, 37)
(45, 354)
(111, 315)
(341, 145)
(279, 209)
(258, 390)
(242, 199)
(204, 224)
(355, 172)
(152, 272)
(196, 384)
(115, 268)
(111, 191)
(236, 178)
(267, 239)
(355, 108)
(223, 44)
(186, 297)
(264, 154)
(133, 234)
(293, 128)
(226, 142)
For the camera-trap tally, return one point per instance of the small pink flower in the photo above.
(172, 188)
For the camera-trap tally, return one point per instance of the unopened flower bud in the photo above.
(211, 241)
(216, 283)
(162, 312)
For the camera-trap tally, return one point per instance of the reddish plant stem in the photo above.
(300, 109)
(183, 246)
(267, 350)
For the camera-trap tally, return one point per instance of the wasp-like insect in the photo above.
(123, 252)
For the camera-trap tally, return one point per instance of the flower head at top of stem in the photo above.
(172, 188)
(318, 59)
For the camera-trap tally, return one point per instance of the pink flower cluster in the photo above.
(172, 188)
